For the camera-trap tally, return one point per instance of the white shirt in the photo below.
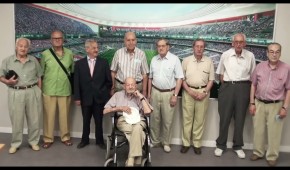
(235, 68)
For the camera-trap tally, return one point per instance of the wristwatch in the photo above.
(174, 94)
(204, 92)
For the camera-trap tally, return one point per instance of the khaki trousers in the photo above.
(25, 104)
(193, 116)
(50, 104)
(265, 125)
(135, 135)
(161, 117)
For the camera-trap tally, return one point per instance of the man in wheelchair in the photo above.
(129, 103)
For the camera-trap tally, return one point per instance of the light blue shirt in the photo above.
(165, 71)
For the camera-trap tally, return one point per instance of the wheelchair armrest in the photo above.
(114, 118)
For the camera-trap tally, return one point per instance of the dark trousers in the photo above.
(95, 110)
(233, 102)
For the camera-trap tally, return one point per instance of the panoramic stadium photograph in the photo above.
(108, 23)
(215, 114)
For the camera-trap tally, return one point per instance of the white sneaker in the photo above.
(166, 148)
(12, 150)
(241, 154)
(218, 152)
(35, 147)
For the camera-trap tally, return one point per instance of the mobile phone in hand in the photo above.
(278, 118)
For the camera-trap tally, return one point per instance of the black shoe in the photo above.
(197, 150)
(102, 146)
(184, 149)
(82, 144)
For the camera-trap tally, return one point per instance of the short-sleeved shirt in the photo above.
(55, 81)
(234, 68)
(121, 99)
(272, 84)
(198, 73)
(130, 66)
(164, 71)
(28, 72)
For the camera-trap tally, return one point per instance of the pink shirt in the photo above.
(271, 84)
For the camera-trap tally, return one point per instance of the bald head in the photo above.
(130, 85)
(130, 80)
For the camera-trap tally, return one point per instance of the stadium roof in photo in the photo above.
(152, 15)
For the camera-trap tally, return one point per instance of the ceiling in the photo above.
(152, 15)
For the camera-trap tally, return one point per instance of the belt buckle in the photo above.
(233, 82)
(199, 87)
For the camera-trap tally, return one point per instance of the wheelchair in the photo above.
(118, 146)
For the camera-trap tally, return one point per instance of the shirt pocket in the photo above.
(205, 76)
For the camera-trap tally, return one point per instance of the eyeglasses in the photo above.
(238, 42)
(161, 46)
(274, 52)
(57, 38)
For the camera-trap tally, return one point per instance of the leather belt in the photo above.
(163, 90)
(269, 101)
(137, 82)
(22, 87)
(237, 82)
(199, 87)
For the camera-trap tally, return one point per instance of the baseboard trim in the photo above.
(177, 141)
(174, 141)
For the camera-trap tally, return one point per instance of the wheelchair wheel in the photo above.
(146, 163)
(110, 163)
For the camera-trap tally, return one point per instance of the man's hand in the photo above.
(138, 94)
(78, 102)
(126, 109)
(11, 81)
(173, 101)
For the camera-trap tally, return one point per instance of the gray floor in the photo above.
(61, 155)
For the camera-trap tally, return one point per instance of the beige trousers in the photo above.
(135, 135)
(193, 116)
(51, 103)
(267, 128)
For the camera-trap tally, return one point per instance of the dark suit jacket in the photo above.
(87, 88)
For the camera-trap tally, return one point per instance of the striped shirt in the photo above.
(272, 84)
(127, 65)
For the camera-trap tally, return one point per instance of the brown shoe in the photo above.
(197, 150)
(184, 149)
(46, 145)
(272, 162)
(255, 157)
(67, 143)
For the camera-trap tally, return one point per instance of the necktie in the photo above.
(92, 65)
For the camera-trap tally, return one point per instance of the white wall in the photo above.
(281, 35)
(7, 40)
